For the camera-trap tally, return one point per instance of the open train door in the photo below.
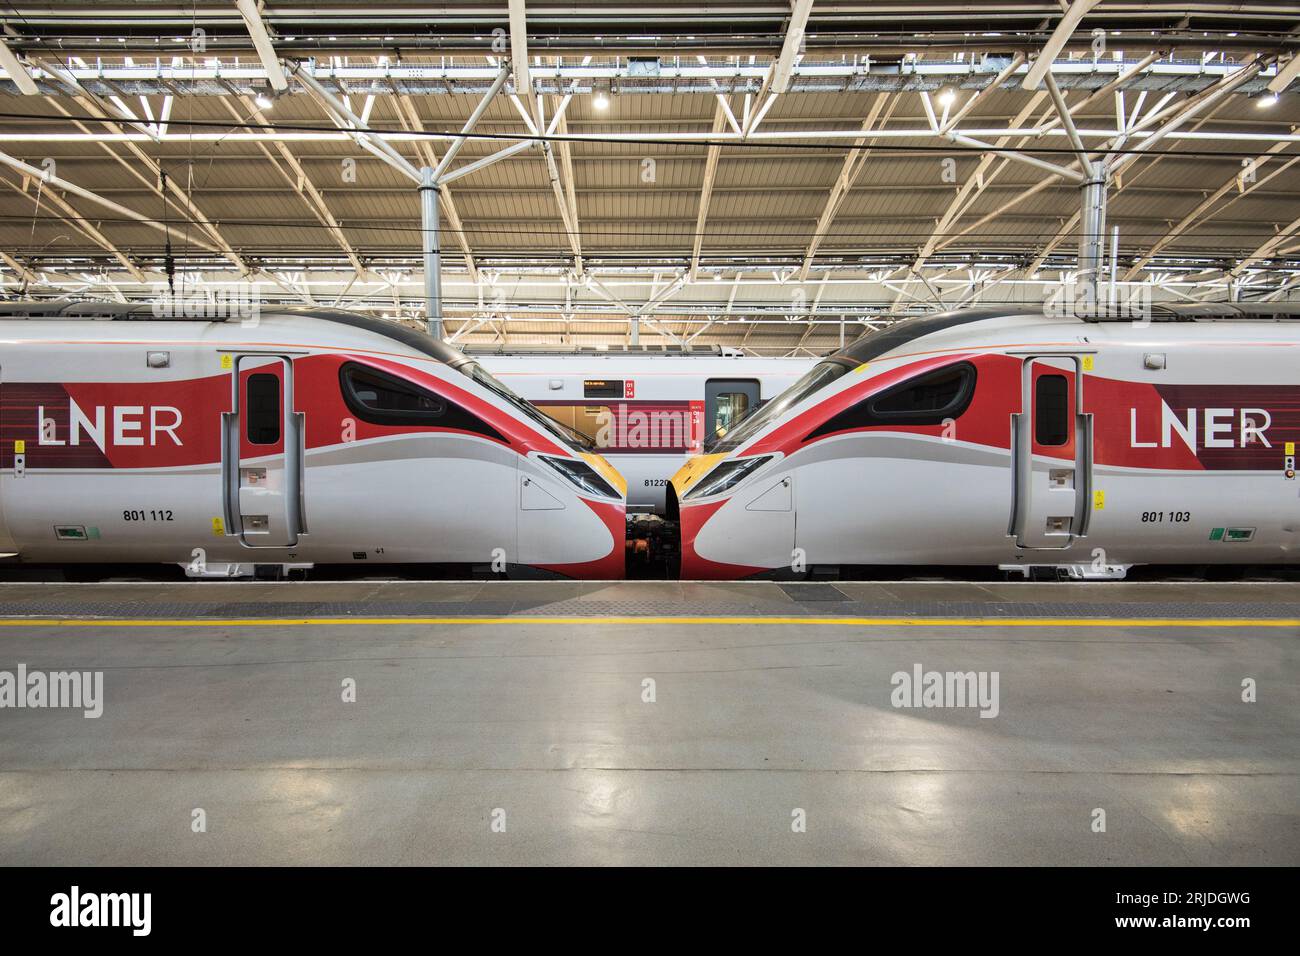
(1051, 441)
(262, 449)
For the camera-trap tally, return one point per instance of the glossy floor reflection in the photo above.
(547, 733)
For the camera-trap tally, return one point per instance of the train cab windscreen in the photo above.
(571, 437)
(817, 378)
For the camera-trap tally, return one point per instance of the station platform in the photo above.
(654, 722)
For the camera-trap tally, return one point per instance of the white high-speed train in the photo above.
(1006, 438)
(308, 436)
(647, 410)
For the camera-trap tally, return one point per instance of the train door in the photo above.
(1051, 454)
(262, 448)
(726, 402)
(7, 547)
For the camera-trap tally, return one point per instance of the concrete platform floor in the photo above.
(534, 714)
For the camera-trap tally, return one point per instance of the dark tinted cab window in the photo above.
(928, 399)
(385, 399)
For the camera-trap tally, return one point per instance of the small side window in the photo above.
(383, 399)
(731, 408)
(262, 409)
(928, 399)
(386, 395)
(929, 394)
(1052, 410)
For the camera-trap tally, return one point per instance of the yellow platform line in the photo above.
(570, 621)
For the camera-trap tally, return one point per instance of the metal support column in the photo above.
(1113, 297)
(1092, 238)
(432, 253)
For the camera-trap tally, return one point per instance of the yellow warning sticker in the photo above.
(218, 527)
(1087, 363)
(227, 361)
(1290, 448)
(1099, 500)
(20, 447)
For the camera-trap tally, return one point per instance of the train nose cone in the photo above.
(614, 514)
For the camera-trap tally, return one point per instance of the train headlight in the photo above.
(726, 475)
(583, 475)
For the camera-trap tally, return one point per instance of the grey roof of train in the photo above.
(869, 346)
(876, 343)
(143, 312)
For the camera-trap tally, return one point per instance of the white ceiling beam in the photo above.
(348, 121)
(1201, 102)
(93, 103)
(1065, 172)
(562, 202)
(298, 180)
(854, 161)
(72, 217)
(1004, 74)
(972, 188)
(410, 119)
(52, 180)
(790, 48)
(17, 72)
(455, 74)
(1118, 83)
(1063, 114)
(1072, 223)
(24, 274)
(1202, 212)
(1285, 75)
(141, 163)
(792, 135)
(248, 9)
(570, 185)
(1196, 102)
(1056, 42)
(1266, 250)
(470, 123)
(519, 51)
(706, 193)
(983, 177)
(503, 153)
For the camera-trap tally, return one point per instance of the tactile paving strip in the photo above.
(819, 607)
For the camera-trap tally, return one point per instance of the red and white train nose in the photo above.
(594, 524)
(731, 527)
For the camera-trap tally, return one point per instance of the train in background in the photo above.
(300, 438)
(1059, 446)
(647, 409)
